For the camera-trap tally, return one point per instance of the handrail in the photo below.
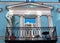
(32, 33)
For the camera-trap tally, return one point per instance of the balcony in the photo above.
(42, 34)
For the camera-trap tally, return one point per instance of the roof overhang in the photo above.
(22, 4)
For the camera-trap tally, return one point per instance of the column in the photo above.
(38, 21)
(9, 30)
(50, 25)
(50, 21)
(21, 25)
(39, 25)
(9, 24)
(32, 29)
(21, 21)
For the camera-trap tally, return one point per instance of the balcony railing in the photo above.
(31, 33)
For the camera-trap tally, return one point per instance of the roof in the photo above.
(22, 5)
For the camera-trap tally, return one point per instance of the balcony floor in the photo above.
(30, 41)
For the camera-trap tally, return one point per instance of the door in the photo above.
(29, 22)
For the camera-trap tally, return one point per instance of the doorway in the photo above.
(29, 23)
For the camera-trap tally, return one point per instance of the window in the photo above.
(29, 0)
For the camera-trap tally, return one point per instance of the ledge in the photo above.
(30, 41)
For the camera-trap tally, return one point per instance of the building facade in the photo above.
(38, 14)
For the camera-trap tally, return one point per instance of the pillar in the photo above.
(9, 16)
(32, 31)
(21, 21)
(21, 25)
(50, 25)
(38, 22)
(9, 30)
(50, 21)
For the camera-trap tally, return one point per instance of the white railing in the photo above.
(31, 33)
